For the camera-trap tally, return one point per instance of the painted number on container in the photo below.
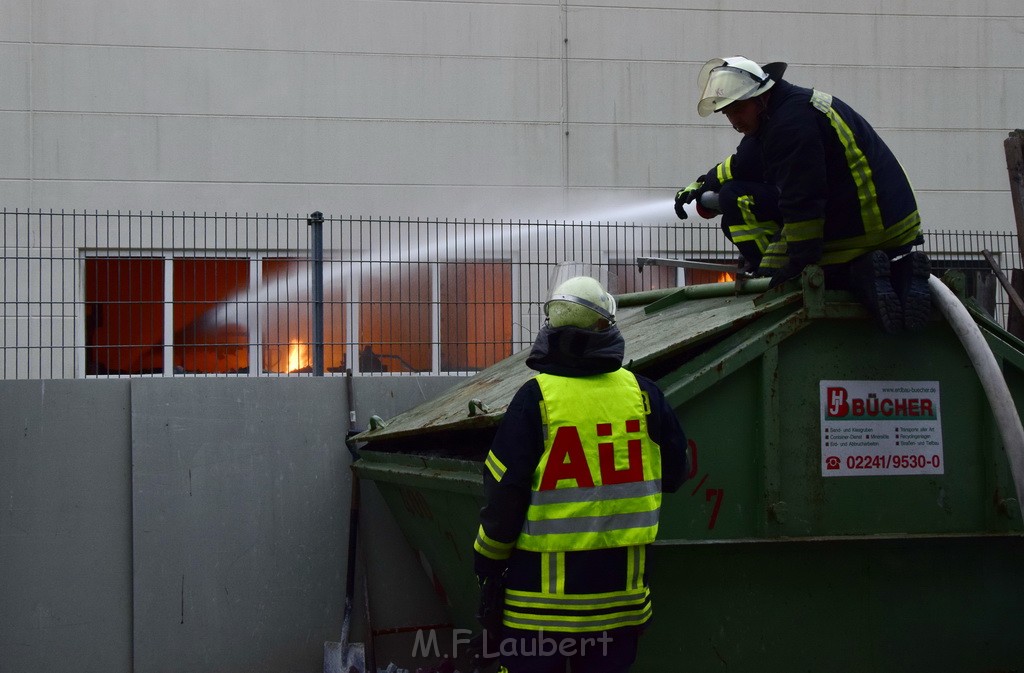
(712, 495)
(716, 495)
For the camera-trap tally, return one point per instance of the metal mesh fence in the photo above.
(131, 294)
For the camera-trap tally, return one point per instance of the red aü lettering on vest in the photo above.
(568, 460)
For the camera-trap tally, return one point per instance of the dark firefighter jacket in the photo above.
(842, 192)
(577, 580)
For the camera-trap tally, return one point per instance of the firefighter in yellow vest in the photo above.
(573, 485)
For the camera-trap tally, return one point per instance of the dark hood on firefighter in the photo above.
(572, 351)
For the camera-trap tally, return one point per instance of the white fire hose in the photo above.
(998, 394)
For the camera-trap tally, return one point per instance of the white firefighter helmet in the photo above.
(726, 80)
(580, 302)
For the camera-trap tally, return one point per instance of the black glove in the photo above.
(790, 270)
(800, 255)
(484, 649)
(746, 268)
(492, 604)
(688, 194)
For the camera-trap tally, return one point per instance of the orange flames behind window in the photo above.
(705, 276)
(298, 356)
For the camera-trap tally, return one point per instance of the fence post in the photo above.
(316, 220)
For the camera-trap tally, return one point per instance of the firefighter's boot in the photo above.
(910, 280)
(870, 281)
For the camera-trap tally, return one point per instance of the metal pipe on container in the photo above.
(705, 291)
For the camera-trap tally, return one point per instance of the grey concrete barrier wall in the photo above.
(65, 526)
(178, 525)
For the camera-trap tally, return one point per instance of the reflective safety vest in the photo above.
(598, 482)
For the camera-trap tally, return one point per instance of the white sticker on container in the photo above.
(880, 428)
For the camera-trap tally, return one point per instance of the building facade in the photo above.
(497, 109)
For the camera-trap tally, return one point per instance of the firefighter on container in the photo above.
(573, 485)
(811, 182)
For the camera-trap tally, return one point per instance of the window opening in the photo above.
(124, 316)
(205, 343)
(475, 314)
(395, 318)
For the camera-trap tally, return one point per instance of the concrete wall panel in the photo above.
(966, 211)
(217, 149)
(16, 160)
(456, 201)
(888, 40)
(991, 8)
(190, 525)
(14, 76)
(352, 26)
(954, 162)
(641, 156)
(16, 26)
(65, 549)
(293, 84)
(16, 193)
(240, 523)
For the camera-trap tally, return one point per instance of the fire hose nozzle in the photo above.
(707, 205)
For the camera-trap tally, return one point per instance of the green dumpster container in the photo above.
(850, 505)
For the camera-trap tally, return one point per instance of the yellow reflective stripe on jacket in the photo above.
(491, 548)
(843, 250)
(552, 572)
(577, 623)
(855, 160)
(724, 170)
(496, 467)
(601, 527)
(752, 229)
(598, 482)
(590, 494)
(636, 565)
(775, 257)
(582, 602)
(808, 230)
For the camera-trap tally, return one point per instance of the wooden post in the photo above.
(1014, 146)
(1015, 319)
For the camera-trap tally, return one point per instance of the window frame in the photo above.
(350, 292)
